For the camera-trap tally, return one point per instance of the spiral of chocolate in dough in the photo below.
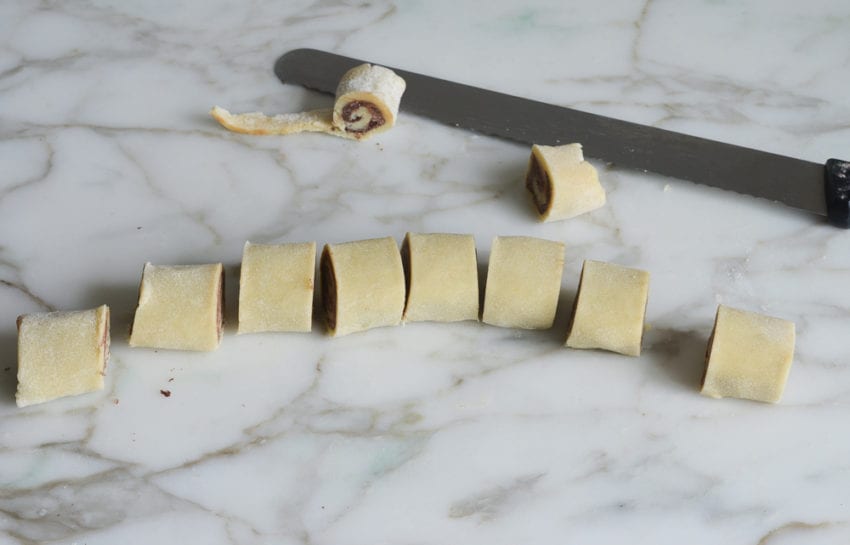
(360, 116)
(328, 279)
(367, 101)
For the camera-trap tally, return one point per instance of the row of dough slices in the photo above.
(371, 283)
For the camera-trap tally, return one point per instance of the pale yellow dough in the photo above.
(61, 354)
(180, 307)
(367, 83)
(362, 285)
(276, 287)
(523, 282)
(442, 272)
(361, 86)
(562, 184)
(609, 309)
(262, 124)
(749, 356)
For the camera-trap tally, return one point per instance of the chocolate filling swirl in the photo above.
(361, 117)
(326, 270)
(537, 182)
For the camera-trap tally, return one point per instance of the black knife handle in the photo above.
(837, 189)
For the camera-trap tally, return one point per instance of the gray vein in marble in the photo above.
(22, 288)
(198, 217)
(800, 529)
(489, 504)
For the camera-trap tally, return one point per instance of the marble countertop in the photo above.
(426, 433)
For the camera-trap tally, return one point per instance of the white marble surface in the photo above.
(427, 433)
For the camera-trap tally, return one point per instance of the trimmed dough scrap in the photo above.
(749, 356)
(362, 285)
(276, 287)
(61, 354)
(609, 309)
(367, 101)
(259, 123)
(442, 277)
(180, 307)
(562, 184)
(523, 282)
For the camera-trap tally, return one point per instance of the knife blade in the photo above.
(813, 187)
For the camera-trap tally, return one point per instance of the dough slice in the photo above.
(523, 282)
(362, 285)
(609, 308)
(562, 184)
(180, 307)
(749, 356)
(276, 287)
(442, 277)
(61, 354)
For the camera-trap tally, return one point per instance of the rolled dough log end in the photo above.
(367, 101)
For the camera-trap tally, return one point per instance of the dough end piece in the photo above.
(61, 354)
(367, 101)
(561, 183)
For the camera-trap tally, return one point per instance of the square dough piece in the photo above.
(442, 277)
(276, 287)
(523, 282)
(609, 309)
(61, 354)
(749, 356)
(362, 285)
(180, 307)
(562, 184)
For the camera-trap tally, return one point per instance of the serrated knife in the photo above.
(823, 189)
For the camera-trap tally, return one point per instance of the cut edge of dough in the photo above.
(708, 349)
(575, 306)
(138, 304)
